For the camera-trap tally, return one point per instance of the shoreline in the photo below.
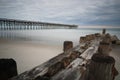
(27, 54)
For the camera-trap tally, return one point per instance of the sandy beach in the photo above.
(116, 54)
(27, 54)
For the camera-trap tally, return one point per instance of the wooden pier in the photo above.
(12, 24)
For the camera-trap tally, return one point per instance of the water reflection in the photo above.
(52, 36)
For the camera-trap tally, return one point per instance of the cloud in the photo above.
(82, 12)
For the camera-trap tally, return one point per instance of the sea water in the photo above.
(54, 36)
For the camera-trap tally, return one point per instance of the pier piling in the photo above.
(100, 68)
(67, 45)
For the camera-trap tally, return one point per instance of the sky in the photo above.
(79, 12)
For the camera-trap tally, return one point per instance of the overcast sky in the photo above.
(81, 12)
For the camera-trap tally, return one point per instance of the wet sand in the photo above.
(116, 54)
(27, 54)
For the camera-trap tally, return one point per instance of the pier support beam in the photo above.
(104, 31)
(100, 68)
(67, 45)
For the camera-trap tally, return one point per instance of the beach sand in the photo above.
(27, 54)
(116, 54)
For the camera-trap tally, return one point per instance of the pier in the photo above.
(12, 24)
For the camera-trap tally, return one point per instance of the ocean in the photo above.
(54, 36)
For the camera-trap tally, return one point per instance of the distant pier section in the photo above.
(12, 24)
